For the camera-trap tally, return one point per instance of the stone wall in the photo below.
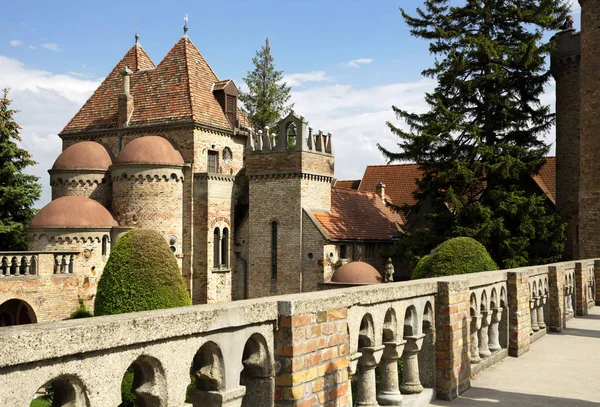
(91, 184)
(315, 349)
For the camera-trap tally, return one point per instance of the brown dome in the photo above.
(73, 211)
(356, 273)
(149, 150)
(87, 155)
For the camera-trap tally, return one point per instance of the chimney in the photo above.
(380, 189)
(125, 99)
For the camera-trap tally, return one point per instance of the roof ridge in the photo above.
(353, 191)
(187, 70)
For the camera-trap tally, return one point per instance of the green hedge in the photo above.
(460, 255)
(141, 274)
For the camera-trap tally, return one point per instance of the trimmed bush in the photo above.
(459, 255)
(141, 274)
(81, 311)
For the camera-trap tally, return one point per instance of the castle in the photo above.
(166, 147)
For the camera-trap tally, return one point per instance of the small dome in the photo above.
(149, 150)
(73, 211)
(87, 155)
(356, 273)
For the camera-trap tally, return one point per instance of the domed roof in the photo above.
(149, 150)
(87, 155)
(357, 272)
(73, 211)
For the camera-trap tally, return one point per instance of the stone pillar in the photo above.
(484, 352)
(453, 366)
(411, 383)
(519, 318)
(474, 330)
(557, 298)
(533, 302)
(494, 336)
(597, 281)
(367, 395)
(581, 290)
(390, 394)
(540, 312)
(569, 293)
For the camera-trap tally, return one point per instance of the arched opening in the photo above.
(257, 375)
(274, 250)
(225, 248)
(410, 322)
(16, 312)
(216, 247)
(427, 353)
(104, 245)
(144, 384)
(291, 134)
(64, 391)
(207, 374)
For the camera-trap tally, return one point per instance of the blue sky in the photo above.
(348, 61)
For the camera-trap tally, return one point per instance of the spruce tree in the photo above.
(480, 141)
(266, 101)
(18, 191)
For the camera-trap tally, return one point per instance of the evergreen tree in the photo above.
(480, 141)
(18, 191)
(267, 96)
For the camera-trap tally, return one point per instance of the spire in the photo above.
(185, 27)
(137, 35)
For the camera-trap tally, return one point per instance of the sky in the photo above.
(348, 62)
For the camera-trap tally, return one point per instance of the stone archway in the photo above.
(16, 312)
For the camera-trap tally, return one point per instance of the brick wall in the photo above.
(519, 322)
(93, 184)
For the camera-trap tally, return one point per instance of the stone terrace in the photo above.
(305, 350)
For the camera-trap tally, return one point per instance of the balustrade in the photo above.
(411, 383)
(390, 393)
(494, 332)
(64, 263)
(371, 355)
(18, 265)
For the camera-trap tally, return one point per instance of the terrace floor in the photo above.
(560, 369)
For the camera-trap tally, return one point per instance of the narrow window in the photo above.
(213, 161)
(231, 109)
(216, 243)
(370, 251)
(225, 248)
(105, 245)
(120, 143)
(274, 250)
(343, 251)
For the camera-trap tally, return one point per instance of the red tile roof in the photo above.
(179, 89)
(358, 215)
(353, 184)
(546, 179)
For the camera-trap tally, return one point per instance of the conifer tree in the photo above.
(18, 191)
(266, 101)
(480, 142)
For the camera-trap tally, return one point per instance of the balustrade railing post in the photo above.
(71, 260)
(569, 295)
(494, 334)
(475, 326)
(4, 266)
(484, 351)
(540, 311)
(390, 393)
(367, 393)
(532, 307)
(411, 383)
(25, 265)
(352, 370)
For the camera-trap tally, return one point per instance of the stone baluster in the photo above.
(367, 395)
(4, 266)
(33, 266)
(475, 326)
(71, 263)
(484, 351)
(494, 335)
(25, 265)
(14, 267)
(63, 264)
(56, 264)
(411, 383)
(568, 290)
(540, 311)
(390, 393)
(352, 370)
(532, 307)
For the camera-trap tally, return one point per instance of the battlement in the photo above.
(567, 54)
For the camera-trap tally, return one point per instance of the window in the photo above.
(120, 143)
(343, 251)
(104, 245)
(227, 155)
(216, 243)
(231, 109)
(370, 251)
(274, 250)
(225, 248)
(213, 161)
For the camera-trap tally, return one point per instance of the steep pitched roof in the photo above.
(179, 89)
(399, 180)
(352, 184)
(546, 178)
(358, 216)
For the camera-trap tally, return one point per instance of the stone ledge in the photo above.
(488, 362)
(537, 335)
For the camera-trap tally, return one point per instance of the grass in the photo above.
(40, 402)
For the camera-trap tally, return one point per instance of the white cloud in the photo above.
(32, 47)
(46, 102)
(298, 79)
(51, 47)
(80, 74)
(16, 43)
(355, 63)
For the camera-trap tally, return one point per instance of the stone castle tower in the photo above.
(287, 175)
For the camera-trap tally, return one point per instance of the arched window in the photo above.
(225, 248)
(104, 245)
(274, 250)
(216, 244)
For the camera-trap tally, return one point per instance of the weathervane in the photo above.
(137, 35)
(185, 27)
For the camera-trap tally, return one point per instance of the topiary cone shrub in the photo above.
(141, 274)
(459, 255)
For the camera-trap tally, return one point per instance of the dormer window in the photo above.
(227, 93)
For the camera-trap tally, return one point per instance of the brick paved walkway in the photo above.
(561, 369)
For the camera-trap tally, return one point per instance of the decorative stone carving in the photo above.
(389, 271)
(411, 383)
(390, 394)
(484, 351)
(540, 311)
(371, 355)
(494, 338)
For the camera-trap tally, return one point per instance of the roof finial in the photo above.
(137, 35)
(185, 27)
